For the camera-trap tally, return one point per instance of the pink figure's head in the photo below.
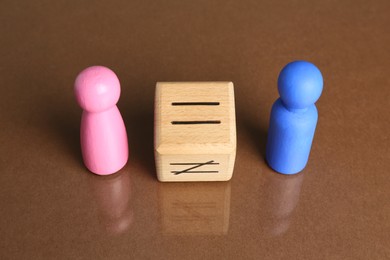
(97, 89)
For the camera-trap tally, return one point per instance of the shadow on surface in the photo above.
(141, 145)
(65, 127)
(257, 133)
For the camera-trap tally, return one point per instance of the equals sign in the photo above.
(202, 122)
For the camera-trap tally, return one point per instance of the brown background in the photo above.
(53, 208)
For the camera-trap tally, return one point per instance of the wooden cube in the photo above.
(195, 131)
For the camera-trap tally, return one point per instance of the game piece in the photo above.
(103, 133)
(294, 117)
(195, 131)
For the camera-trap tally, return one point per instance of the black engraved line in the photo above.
(207, 122)
(191, 168)
(179, 172)
(192, 163)
(195, 103)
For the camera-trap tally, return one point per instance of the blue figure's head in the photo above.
(300, 84)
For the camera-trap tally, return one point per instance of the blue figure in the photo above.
(294, 117)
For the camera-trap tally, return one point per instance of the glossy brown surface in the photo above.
(53, 208)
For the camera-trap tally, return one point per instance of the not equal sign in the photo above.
(193, 166)
(198, 122)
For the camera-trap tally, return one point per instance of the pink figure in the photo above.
(103, 133)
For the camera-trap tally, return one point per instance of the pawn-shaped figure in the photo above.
(294, 117)
(103, 134)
